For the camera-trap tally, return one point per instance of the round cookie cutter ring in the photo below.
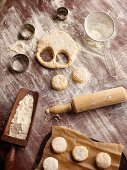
(23, 60)
(62, 13)
(30, 28)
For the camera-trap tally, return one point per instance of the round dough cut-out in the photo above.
(59, 82)
(80, 153)
(103, 160)
(50, 163)
(59, 42)
(79, 75)
(59, 145)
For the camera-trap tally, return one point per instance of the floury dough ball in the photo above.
(50, 163)
(59, 145)
(79, 75)
(103, 160)
(59, 82)
(80, 153)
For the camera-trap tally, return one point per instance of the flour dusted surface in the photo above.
(21, 122)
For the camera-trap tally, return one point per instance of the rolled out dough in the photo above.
(58, 42)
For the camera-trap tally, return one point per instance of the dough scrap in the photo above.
(59, 145)
(103, 160)
(58, 42)
(50, 163)
(79, 75)
(80, 153)
(59, 82)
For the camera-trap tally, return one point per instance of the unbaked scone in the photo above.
(59, 145)
(103, 160)
(79, 75)
(59, 82)
(50, 163)
(80, 153)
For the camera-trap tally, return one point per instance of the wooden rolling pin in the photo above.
(92, 101)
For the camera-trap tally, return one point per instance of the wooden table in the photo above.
(107, 124)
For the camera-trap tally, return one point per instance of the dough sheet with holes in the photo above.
(57, 42)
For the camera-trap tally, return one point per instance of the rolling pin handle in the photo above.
(62, 108)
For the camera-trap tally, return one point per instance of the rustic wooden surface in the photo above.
(108, 124)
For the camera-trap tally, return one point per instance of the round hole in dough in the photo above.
(50, 163)
(47, 54)
(79, 75)
(80, 153)
(59, 82)
(62, 58)
(103, 160)
(59, 145)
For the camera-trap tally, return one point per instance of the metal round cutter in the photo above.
(27, 31)
(62, 13)
(19, 63)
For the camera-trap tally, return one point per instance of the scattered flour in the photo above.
(42, 24)
(18, 47)
(57, 3)
(21, 122)
(94, 44)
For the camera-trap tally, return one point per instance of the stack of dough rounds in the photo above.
(59, 82)
(79, 75)
(103, 160)
(59, 145)
(80, 153)
(50, 163)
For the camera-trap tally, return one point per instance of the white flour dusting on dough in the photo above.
(21, 122)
